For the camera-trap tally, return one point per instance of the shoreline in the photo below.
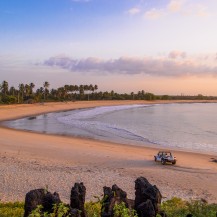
(31, 160)
(146, 144)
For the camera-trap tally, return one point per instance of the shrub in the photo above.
(175, 207)
(180, 208)
(93, 209)
(12, 209)
(120, 210)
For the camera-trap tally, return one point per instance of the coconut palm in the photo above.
(31, 85)
(95, 87)
(132, 95)
(12, 91)
(21, 90)
(27, 89)
(45, 85)
(4, 87)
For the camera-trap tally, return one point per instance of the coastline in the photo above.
(31, 160)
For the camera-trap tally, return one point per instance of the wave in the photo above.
(83, 119)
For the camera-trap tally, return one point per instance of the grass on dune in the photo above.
(175, 207)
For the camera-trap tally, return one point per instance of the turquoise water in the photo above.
(191, 127)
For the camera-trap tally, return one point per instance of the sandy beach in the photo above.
(32, 160)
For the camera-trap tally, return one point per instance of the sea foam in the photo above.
(84, 119)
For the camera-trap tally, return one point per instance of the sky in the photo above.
(160, 46)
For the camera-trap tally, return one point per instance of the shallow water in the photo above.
(191, 127)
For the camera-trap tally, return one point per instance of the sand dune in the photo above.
(31, 160)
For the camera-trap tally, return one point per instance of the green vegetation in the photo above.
(180, 208)
(25, 93)
(12, 209)
(175, 207)
(60, 209)
(120, 210)
(93, 209)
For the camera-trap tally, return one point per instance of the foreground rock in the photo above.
(77, 198)
(147, 198)
(42, 197)
(112, 196)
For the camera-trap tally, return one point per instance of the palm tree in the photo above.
(4, 87)
(12, 91)
(27, 89)
(86, 88)
(95, 87)
(132, 94)
(45, 85)
(31, 85)
(67, 89)
(81, 90)
(21, 90)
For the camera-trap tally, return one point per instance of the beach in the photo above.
(31, 160)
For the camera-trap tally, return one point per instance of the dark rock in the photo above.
(112, 196)
(49, 200)
(146, 209)
(73, 212)
(77, 198)
(38, 197)
(147, 192)
(189, 215)
(108, 195)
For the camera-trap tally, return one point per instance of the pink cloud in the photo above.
(175, 65)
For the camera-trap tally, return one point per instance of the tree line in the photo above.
(26, 93)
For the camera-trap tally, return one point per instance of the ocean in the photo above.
(183, 126)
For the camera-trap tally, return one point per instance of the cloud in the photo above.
(175, 5)
(134, 10)
(197, 10)
(154, 13)
(177, 54)
(167, 67)
(181, 7)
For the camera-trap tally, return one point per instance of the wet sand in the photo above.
(32, 160)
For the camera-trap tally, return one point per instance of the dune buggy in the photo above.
(165, 157)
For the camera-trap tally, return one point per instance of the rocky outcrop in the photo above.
(147, 196)
(112, 196)
(42, 197)
(147, 200)
(77, 198)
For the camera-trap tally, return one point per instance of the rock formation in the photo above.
(77, 198)
(147, 197)
(147, 200)
(42, 197)
(112, 196)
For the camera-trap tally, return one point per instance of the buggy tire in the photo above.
(163, 162)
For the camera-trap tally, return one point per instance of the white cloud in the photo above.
(198, 10)
(134, 10)
(177, 54)
(181, 7)
(175, 5)
(176, 65)
(154, 13)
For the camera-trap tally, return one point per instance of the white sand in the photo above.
(32, 160)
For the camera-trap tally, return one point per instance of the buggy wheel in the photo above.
(174, 162)
(163, 161)
(155, 159)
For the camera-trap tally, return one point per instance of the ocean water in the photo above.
(191, 127)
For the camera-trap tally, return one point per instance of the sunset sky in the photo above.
(160, 46)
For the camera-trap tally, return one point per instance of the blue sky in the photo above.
(162, 46)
